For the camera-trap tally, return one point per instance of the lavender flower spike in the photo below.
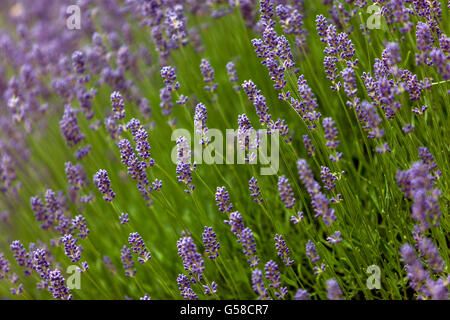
(102, 182)
(334, 292)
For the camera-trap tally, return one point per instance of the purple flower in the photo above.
(282, 250)
(70, 128)
(127, 260)
(210, 289)
(78, 62)
(335, 238)
(137, 245)
(232, 75)
(258, 284)
(72, 250)
(319, 201)
(20, 253)
(184, 284)
(102, 182)
(57, 286)
(302, 295)
(223, 200)
(309, 146)
(82, 152)
(311, 252)
(272, 274)
(184, 167)
(328, 178)
(145, 297)
(331, 133)
(255, 190)
(169, 76)
(408, 128)
(210, 242)
(4, 266)
(192, 260)
(247, 240)
(79, 224)
(118, 105)
(208, 75)
(334, 292)
(298, 218)
(200, 117)
(431, 253)
(124, 218)
(286, 193)
(236, 223)
(428, 160)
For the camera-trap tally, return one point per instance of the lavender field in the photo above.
(224, 149)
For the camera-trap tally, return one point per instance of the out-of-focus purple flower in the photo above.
(298, 218)
(145, 297)
(431, 253)
(383, 148)
(334, 292)
(184, 167)
(127, 260)
(232, 75)
(118, 105)
(169, 76)
(4, 266)
(82, 152)
(78, 62)
(319, 201)
(286, 193)
(311, 252)
(302, 295)
(124, 219)
(70, 128)
(282, 250)
(210, 242)
(408, 128)
(208, 75)
(335, 238)
(428, 160)
(192, 259)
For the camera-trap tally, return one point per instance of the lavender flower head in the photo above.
(223, 200)
(255, 190)
(282, 250)
(192, 259)
(102, 182)
(210, 242)
(118, 105)
(334, 292)
(137, 245)
(208, 75)
(286, 193)
(200, 117)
